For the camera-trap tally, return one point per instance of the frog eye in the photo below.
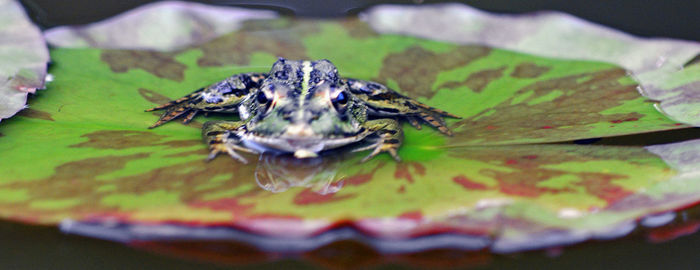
(262, 98)
(341, 98)
(340, 101)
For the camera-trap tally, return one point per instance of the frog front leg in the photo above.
(223, 96)
(221, 136)
(382, 101)
(390, 137)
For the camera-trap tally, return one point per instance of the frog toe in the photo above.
(188, 118)
(228, 149)
(170, 114)
(379, 148)
(414, 122)
(367, 147)
(436, 121)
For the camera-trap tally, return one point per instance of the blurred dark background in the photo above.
(670, 18)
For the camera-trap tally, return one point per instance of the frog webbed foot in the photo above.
(390, 138)
(434, 120)
(175, 109)
(223, 96)
(221, 138)
(414, 122)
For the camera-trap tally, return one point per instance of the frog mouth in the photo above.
(307, 144)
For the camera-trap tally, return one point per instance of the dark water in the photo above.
(33, 247)
(671, 18)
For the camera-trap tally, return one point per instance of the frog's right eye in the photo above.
(340, 101)
(262, 98)
(264, 103)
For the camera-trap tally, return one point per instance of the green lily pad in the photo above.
(83, 152)
(667, 70)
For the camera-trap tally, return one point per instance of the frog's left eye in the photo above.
(342, 98)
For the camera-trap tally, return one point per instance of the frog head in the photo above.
(303, 107)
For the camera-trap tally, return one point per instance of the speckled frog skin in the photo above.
(302, 107)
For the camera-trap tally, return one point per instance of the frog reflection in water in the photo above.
(302, 107)
(278, 173)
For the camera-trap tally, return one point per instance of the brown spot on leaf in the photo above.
(199, 152)
(528, 70)
(526, 172)
(402, 170)
(34, 113)
(563, 117)
(525, 184)
(160, 64)
(477, 81)
(601, 186)
(181, 143)
(71, 178)
(121, 139)
(277, 37)
(416, 68)
(79, 177)
(357, 28)
(76, 171)
(153, 96)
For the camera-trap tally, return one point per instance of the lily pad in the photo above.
(666, 69)
(84, 153)
(23, 58)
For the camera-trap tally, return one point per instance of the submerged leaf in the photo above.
(167, 25)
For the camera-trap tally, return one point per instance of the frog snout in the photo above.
(299, 130)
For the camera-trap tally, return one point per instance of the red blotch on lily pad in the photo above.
(414, 215)
(308, 196)
(624, 120)
(468, 184)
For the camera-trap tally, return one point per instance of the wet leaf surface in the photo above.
(99, 164)
(667, 69)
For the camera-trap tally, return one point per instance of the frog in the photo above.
(303, 107)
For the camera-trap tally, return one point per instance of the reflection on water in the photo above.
(278, 173)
